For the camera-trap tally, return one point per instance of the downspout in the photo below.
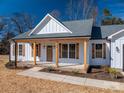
(109, 40)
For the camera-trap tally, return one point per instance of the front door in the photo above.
(123, 57)
(49, 53)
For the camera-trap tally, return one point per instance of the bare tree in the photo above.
(29, 20)
(72, 9)
(81, 9)
(23, 22)
(16, 19)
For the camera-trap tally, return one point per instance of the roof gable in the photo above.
(49, 25)
(76, 28)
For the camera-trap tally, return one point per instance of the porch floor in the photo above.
(62, 66)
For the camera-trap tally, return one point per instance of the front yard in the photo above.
(12, 83)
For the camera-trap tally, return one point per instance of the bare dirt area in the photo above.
(99, 74)
(12, 83)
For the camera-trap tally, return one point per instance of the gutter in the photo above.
(88, 37)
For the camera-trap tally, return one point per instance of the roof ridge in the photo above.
(77, 20)
(112, 25)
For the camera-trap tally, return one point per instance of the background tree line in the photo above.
(109, 19)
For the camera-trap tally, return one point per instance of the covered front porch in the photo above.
(60, 59)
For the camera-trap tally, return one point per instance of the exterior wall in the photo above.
(80, 60)
(96, 61)
(28, 54)
(50, 26)
(100, 61)
(117, 51)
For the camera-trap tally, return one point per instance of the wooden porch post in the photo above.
(16, 53)
(34, 46)
(85, 55)
(57, 59)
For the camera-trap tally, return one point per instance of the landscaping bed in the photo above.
(96, 73)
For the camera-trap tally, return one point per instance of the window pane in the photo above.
(98, 50)
(64, 51)
(20, 50)
(71, 50)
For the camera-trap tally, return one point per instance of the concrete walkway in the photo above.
(34, 72)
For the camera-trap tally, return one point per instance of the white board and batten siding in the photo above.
(117, 43)
(50, 26)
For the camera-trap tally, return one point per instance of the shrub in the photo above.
(106, 69)
(50, 68)
(75, 72)
(113, 72)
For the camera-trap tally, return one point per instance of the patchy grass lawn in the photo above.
(12, 83)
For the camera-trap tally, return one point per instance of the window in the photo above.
(71, 50)
(99, 50)
(64, 50)
(38, 50)
(20, 50)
